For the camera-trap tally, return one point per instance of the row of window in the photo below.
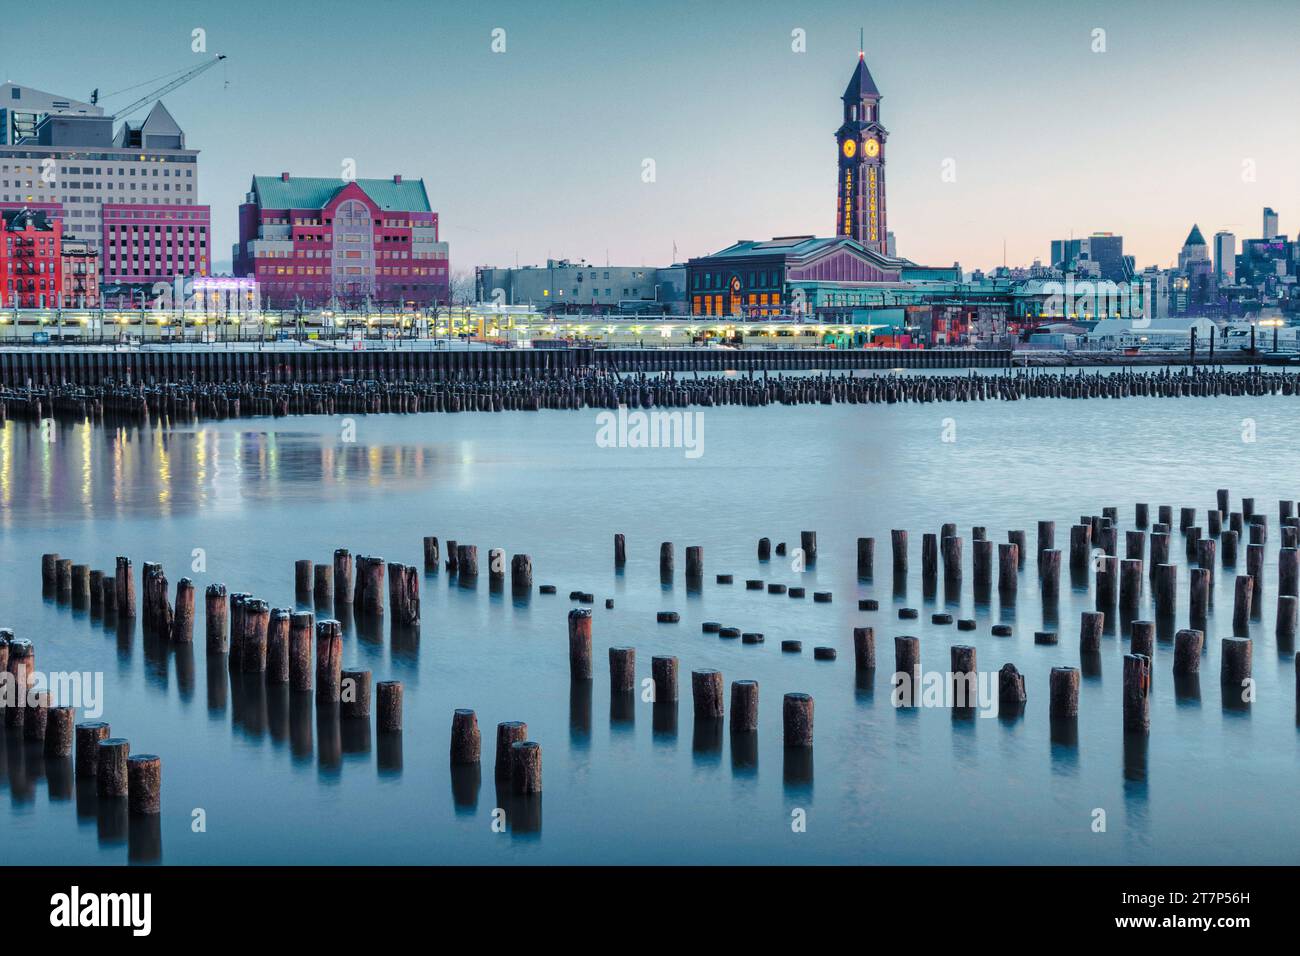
(762, 279)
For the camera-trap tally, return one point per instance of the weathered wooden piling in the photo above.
(63, 578)
(368, 599)
(81, 585)
(1288, 571)
(907, 664)
(950, 552)
(1050, 573)
(1186, 518)
(521, 574)
(158, 613)
(144, 783)
(1213, 523)
(1091, 624)
(526, 767)
(1135, 543)
(388, 706)
(1200, 594)
(432, 557)
(706, 693)
(982, 562)
(329, 661)
(303, 576)
(256, 618)
(300, 661)
(404, 594)
(1046, 541)
(1229, 551)
(580, 643)
(808, 544)
(1137, 693)
(1223, 502)
(1130, 584)
(964, 676)
(466, 741)
(1165, 589)
(1188, 645)
(86, 761)
(277, 645)
(1107, 581)
(49, 571)
(124, 589)
(1080, 546)
(765, 549)
(1207, 550)
(183, 618)
(898, 542)
(110, 767)
(1235, 663)
(666, 562)
(509, 732)
(620, 551)
(929, 559)
(622, 669)
(1008, 567)
(694, 563)
(342, 576)
(663, 670)
(1247, 508)
(453, 557)
(1063, 691)
(214, 607)
(1165, 514)
(1285, 628)
(1011, 688)
(744, 706)
(96, 593)
(58, 732)
(354, 694)
(866, 558)
(237, 601)
(496, 569)
(1019, 539)
(864, 648)
(1142, 638)
(37, 717)
(1159, 551)
(1242, 597)
(323, 584)
(1142, 514)
(797, 719)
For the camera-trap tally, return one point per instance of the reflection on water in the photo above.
(282, 779)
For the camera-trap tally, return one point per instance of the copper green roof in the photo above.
(315, 192)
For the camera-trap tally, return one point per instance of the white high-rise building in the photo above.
(1270, 223)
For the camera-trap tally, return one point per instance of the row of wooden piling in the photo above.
(588, 388)
(100, 757)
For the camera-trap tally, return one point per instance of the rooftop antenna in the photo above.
(862, 42)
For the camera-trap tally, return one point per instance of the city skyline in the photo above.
(559, 173)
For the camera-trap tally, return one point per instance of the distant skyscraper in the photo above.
(1225, 258)
(1100, 255)
(1194, 250)
(1270, 223)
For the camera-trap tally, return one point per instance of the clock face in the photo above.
(735, 283)
(871, 147)
(850, 147)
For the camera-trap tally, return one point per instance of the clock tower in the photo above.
(860, 212)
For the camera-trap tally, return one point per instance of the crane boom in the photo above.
(163, 90)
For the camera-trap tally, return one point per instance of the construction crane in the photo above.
(162, 90)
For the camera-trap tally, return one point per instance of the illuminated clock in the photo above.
(735, 283)
(871, 147)
(850, 147)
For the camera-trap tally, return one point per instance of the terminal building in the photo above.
(569, 287)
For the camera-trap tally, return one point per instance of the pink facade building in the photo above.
(317, 242)
(146, 244)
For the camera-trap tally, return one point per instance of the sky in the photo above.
(1188, 115)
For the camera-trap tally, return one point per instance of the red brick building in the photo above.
(335, 243)
(80, 268)
(31, 264)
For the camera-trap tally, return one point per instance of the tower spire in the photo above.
(862, 43)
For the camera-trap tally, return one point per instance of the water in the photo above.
(884, 786)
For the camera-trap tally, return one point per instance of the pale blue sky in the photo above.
(538, 151)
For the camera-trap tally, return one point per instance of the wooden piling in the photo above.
(1063, 690)
(982, 562)
(526, 767)
(496, 569)
(81, 585)
(1188, 645)
(368, 598)
(303, 575)
(1229, 551)
(1223, 502)
(354, 694)
(329, 661)
(158, 614)
(466, 741)
(864, 648)
(323, 584)
(1018, 538)
(1135, 543)
(898, 541)
(300, 662)
(89, 734)
(666, 562)
(1080, 546)
(694, 563)
(521, 574)
(1285, 629)
(1137, 693)
(144, 783)
(1165, 589)
(1235, 663)
(1011, 688)
(49, 571)
(580, 643)
(342, 576)
(866, 558)
(1091, 625)
(256, 616)
(965, 689)
(432, 557)
(929, 559)
(388, 706)
(1046, 541)
(404, 594)
(808, 543)
(744, 706)
(620, 551)
(1107, 581)
(950, 552)
(706, 693)
(183, 619)
(1200, 594)
(1142, 514)
(1050, 573)
(663, 670)
(797, 718)
(1242, 597)
(509, 733)
(58, 732)
(1130, 584)
(124, 589)
(1142, 638)
(277, 645)
(1288, 571)
(622, 669)
(110, 767)
(1008, 567)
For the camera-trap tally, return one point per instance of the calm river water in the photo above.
(625, 782)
